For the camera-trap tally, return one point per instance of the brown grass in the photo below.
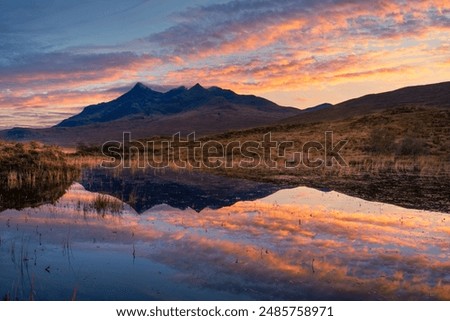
(33, 164)
(401, 156)
(103, 204)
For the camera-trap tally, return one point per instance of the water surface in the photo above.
(289, 244)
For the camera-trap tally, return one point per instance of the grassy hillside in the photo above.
(426, 96)
(401, 156)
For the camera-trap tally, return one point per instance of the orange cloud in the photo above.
(265, 48)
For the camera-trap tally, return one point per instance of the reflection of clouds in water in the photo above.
(362, 261)
(317, 246)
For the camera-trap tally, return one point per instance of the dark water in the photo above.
(191, 236)
(176, 188)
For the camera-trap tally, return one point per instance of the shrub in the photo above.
(87, 150)
(412, 146)
(381, 141)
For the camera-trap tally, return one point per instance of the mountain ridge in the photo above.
(144, 101)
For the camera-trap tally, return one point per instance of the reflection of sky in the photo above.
(66, 54)
(295, 244)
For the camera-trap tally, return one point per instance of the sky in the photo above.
(58, 56)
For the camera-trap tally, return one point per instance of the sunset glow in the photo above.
(59, 56)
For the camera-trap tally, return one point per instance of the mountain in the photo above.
(425, 96)
(145, 112)
(145, 102)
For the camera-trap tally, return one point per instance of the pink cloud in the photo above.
(250, 46)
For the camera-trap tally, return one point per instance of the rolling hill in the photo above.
(425, 96)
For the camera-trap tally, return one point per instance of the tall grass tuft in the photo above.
(103, 204)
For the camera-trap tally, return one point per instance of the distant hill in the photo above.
(434, 95)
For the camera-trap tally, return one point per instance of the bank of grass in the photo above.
(32, 174)
(404, 141)
(33, 164)
(401, 156)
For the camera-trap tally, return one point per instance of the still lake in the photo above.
(175, 235)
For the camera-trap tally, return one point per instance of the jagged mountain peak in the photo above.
(143, 101)
(140, 85)
(139, 88)
(197, 88)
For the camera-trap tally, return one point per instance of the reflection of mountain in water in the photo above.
(40, 191)
(19, 198)
(180, 189)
